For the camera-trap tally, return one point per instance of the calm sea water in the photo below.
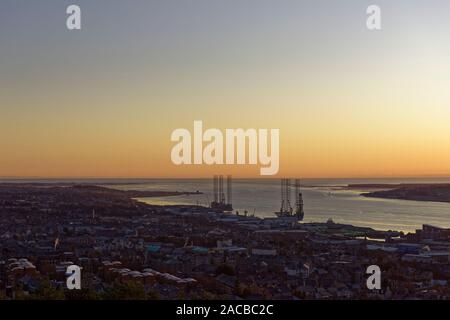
(323, 200)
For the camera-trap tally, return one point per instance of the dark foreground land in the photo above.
(132, 250)
(417, 192)
(65, 199)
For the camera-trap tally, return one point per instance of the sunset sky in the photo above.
(103, 101)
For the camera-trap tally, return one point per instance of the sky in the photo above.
(103, 101)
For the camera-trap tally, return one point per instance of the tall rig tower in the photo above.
(221, 203)
(221, 195)
(286, 196)
(229, 191)
(216, 189)
(298, 201)
(286, 211)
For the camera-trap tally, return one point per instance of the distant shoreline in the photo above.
(99, 188)
(416, 192)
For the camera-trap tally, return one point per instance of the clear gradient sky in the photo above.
(103, 101)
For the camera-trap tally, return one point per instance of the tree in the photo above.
(225, 269)
(125, 291)
(46, 292)
(83, 294)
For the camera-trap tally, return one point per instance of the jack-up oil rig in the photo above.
(220, 203)
(286, 210)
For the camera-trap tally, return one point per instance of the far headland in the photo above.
(405, 191)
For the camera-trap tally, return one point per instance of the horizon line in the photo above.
(207, 178)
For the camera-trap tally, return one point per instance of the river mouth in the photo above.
(321, 201)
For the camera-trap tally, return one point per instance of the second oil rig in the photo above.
(286, 210)
(220, 203)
